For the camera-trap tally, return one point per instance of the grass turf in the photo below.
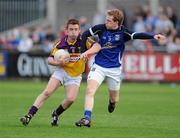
(145, 110)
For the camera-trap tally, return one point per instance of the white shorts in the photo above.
(65, 79)
(113, 76)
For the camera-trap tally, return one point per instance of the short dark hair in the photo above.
(72, 21)
(117, 15)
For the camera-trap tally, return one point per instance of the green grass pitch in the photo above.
(145, 110)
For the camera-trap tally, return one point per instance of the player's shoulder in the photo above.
(100, 26)
(122, 27)
(57, 42)
(125, 29)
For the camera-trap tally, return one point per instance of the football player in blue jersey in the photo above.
(112, 38)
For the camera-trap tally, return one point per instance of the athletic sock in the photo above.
(87, 114)
(59, 110)
(32, 110)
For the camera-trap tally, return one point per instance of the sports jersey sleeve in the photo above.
(143, 36)
(129, 35)
(55, 48)
(95, 30)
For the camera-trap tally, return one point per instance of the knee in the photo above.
(46, 93)
(71, 99)
(90, 91)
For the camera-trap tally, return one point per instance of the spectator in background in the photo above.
(49, 40)
(47, 45)
(163, 24)
(84, 25)
(25, 43)
(50, 34)
(171, 15)
(62, 32)
(150, 21)
(35, 36)
(12, 41)
(174, 46)
(139, 26)
(3, 42)
(39, 34)
(98, 18)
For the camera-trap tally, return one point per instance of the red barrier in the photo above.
(157, 66)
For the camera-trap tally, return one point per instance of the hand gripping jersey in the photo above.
(112, 43)
(74, 67)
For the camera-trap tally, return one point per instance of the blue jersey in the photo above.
(112, 43)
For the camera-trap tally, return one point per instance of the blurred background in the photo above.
(29, 28)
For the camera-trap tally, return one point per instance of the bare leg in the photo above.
(113, 99)
(113, 96)
(71, 94)
(92, 86)
(52, 85)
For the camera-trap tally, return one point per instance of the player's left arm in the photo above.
(148, 36)
(129, 35)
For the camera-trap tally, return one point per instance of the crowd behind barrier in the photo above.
(42, 37)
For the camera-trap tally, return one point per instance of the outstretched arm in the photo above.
(159, 37)
(129, 35)
(147, 36)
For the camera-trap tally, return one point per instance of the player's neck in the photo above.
(115, 27)
(71, 40)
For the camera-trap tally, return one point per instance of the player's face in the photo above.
(73, 30)
(110, 23)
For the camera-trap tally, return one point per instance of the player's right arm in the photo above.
(51, 60)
